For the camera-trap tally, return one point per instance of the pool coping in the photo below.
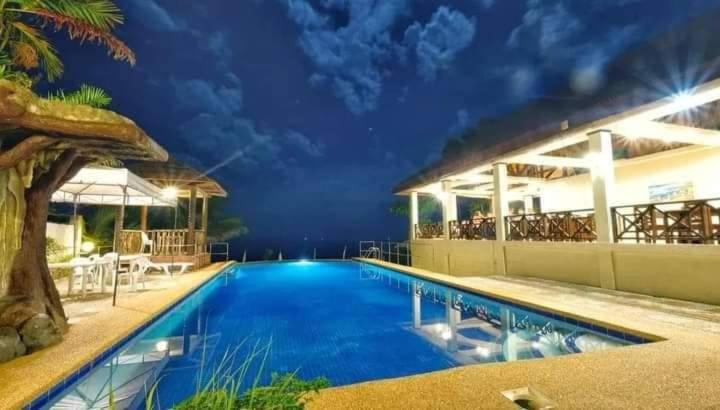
(613, 329)
(45, 394)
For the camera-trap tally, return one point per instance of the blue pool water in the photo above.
(347, 321)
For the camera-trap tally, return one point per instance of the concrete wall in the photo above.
(634, 177)
(687, 272)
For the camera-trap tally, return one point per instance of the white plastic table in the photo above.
(85, 266)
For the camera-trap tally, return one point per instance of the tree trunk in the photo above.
(29, 276)
(30, 281)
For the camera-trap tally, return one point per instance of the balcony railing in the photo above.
(688, 222)
(682, 222)
(429, 231)
(166, 242)
(477, 229)
(569, 226)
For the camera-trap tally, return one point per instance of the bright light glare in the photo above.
(535, 345)
(439, 327)
(170, 192)
(685, 101)
(441, 196)
(87, 247)
(162, 346)
(482, 351)
(446, 335)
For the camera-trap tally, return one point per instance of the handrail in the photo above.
(388, 251)
(572, 226)
(678, 222)
(429, 230)
(476, 229)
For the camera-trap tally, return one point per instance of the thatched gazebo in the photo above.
(43, 144)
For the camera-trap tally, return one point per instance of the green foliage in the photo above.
(99, 226)
(23, 41)
(7, 73)
(428, 207)
(285, 391)
(54, 251)
(224, 388)
(86, 95)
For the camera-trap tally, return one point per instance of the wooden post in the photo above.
(205, 210)
(192, 210)
(144, 218)
(119, 216)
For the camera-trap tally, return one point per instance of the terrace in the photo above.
(621, 182)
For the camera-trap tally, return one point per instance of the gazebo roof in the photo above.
(110, 186)
(176, 174)
(638, 78)
(25, 117)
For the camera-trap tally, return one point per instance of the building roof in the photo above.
(650, 72)
(175, 173)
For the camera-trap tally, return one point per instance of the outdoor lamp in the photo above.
(170, 192)
(87, 247)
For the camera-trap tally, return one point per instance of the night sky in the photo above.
(315, 109)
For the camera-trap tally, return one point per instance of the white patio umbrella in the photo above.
(110, 186)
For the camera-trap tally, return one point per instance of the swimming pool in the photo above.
(347, 321)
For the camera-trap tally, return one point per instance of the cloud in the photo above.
(305, 145)
(153, 16)
(205, 96)
(351, 46)
(218, 131)
(350, 58)
(553, 37)
(545, 27)
(438, 43)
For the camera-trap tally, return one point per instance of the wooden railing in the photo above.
(689, 222)
(166, 242)
(477, 229)
(682, 222)
(569, 226)
(429, 231)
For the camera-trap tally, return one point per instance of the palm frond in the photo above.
(46, 52)
(82, 31)
(86, 95)
(102, 14)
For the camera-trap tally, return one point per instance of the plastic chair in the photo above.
(146, 241)
(78, 272)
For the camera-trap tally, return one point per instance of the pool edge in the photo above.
(442, 279)
(43, 395)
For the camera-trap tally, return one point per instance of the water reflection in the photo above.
(126, 380)
(477, 330)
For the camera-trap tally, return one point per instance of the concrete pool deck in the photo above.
(680, 371)
(94, 326)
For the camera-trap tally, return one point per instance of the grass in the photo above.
(227, 389)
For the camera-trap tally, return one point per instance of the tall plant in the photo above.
(25, 47)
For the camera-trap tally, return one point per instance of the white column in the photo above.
(416, 304)
(414, 214)
(603, 178)
(449, 207)
(500, 199)
(529, 206)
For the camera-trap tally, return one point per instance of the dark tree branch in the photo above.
(57, 171)
(24, 150)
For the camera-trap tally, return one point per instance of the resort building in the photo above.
(613, 187)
